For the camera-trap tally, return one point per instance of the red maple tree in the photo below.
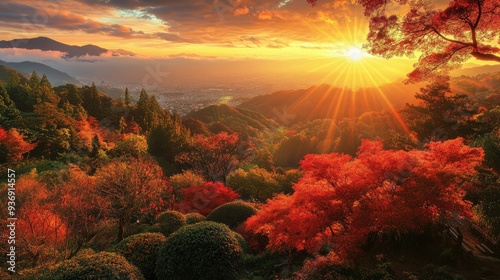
(205, 198)
(342, 200)
(446, 37)
(15, 144)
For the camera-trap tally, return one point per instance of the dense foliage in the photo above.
(193, 218)
(232, 214)
(205, 198)
(168, 222)
(205, 250)
(92, 170)
(103, 265)
(341, 200)
(142, 250)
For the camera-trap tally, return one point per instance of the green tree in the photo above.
(127, 97)
(8, 110)
(440, 115)
(148, 112)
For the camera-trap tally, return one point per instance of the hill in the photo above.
(222, 117)
(5, 73)
(55, 76)
(328, 102)
(48, 44)
(483, 88)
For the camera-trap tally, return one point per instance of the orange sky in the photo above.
(333, 31)
(221, 28)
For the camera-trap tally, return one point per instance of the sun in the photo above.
(354, 54)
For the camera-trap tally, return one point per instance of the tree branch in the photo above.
(485, 56)
(450, 40)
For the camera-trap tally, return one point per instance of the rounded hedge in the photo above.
(204, 250)
(103, 265)
(168, 222)
(142, 250)
(193, 218)
(233, 213)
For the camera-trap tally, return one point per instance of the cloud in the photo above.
(227, 23)
(40, 17)
(18, 55)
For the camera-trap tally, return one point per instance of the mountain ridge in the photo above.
(55, 76)
(47, 44)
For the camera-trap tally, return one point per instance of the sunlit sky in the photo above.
(214, 28)
(333, 31)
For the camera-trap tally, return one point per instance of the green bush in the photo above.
(205, 250)
(232, 214)
(142, 250)
(193, 218)
(103, 265)
(168, 222)
(241, 241)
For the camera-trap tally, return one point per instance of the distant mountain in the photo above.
(218, 118)
(47, 44)
(474, 71)
(483, 88)
(55, 77)
(328, 102)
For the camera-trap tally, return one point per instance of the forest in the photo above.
(307, 184)
(105, 184)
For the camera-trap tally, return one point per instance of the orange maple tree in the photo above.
(15, 144)
(342, 200)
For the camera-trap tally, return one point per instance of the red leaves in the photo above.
(341, 200)
(15, 144)
(435, 33)
(205, 198)
(213, 157)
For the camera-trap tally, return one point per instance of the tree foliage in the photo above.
(213, 157)
(14, 145)
(205, 250)
(131, 187)
(205, 198)
(445, 36)
(341, 200)
(440, 115)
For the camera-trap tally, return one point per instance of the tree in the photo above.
(131, 187)
(167, 141)
(440, 114)
(78, 206)
(258, 183)
(8, 110)
(213, 157)
(127, 97)
(15, 145)
(39, 228)
(341, 200)
(445, 37)
(205, 198)
(148, 112)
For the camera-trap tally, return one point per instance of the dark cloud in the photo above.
(231, 23)
(35, 18)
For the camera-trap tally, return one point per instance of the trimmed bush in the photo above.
(103, 265)
(193, 218)
(142, 250)
(241, 241)
(205, 250)
(168, 222)
(233, 213)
